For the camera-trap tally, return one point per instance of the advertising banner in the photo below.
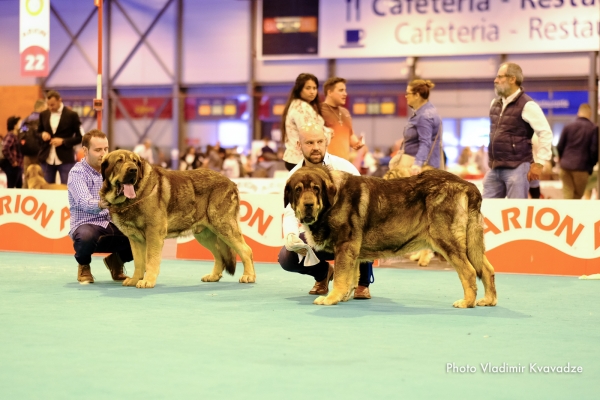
(34, 37)
(395, 28)
(559, 237)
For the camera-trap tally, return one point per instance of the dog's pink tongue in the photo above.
(129, 191)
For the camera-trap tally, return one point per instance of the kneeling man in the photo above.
(91, 228)
(313, 144)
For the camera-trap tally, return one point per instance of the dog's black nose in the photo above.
(309, 205)
(132, 170)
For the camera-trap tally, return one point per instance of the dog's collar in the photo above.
(125, 208)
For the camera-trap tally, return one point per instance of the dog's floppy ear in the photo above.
(106, 168)
(329, 189)
(288, 195)
(140, 164)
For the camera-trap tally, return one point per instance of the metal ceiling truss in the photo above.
(112, 96)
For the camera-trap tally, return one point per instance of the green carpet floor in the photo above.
(186, 339)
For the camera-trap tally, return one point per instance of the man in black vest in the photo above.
(514, 119)
(60, 129)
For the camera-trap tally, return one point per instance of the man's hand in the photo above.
(102, 204)
(535, 171)
(357, 143)
(415, 170)
(46, 136)
(56, 142)
(295, 244)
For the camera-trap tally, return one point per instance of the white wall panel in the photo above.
(205, 132)
(216, 41)
(288, 70)
(380, 132)
(457, 67)
(551, 65)
(372, 69)
(462, 103)
(10, 66)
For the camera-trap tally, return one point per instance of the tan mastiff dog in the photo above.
(148, 204)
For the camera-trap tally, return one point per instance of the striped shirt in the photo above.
(84, 194)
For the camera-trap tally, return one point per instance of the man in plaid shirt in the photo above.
(11, 159)
(91, 228)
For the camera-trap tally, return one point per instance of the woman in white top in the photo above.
(302, 109)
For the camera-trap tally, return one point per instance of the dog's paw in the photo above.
(462, 303)
(487, 302)
(415, 256)
(325, 301)
(248, 279)
(145, 284)
(348, 295)
(130, 282)
(212, 278)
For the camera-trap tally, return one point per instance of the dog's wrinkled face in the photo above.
(309, 191)
(121, 170)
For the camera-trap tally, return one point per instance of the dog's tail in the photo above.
(228, 255)
(475, 242)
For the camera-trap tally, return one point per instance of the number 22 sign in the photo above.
(34, 62)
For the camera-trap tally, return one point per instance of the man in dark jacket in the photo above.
(29, 139)
(578, 152)
(514, 118)
(60, 129)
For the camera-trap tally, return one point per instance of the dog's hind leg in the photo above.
(219, 250)
(229, 231)
(139, 261)
(489, 283)
(476, 254)
(466, 273)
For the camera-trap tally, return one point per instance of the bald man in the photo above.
(313, 145)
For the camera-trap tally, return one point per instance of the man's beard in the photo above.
(501, 90)
(319, 158)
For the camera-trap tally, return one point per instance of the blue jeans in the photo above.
(507, 182)
(289, 262)
(50, 172)
(89, 239)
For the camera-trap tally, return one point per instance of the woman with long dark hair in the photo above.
(302, 109)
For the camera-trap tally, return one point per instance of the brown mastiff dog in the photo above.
(365, 218)
(149, 204)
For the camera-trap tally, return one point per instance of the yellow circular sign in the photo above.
(36, 12)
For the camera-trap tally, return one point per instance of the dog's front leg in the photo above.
(138, 248)
(155, 240)
(345, 273)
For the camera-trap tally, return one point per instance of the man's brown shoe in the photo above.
(115, 266)
(322, 287)
(362, 293)
(84, 274)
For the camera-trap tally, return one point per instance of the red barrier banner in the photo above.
(557, 237)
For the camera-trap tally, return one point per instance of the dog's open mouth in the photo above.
(308, 219)
(126, 188)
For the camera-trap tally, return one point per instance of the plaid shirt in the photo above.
(11, 150)
(84, 194)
